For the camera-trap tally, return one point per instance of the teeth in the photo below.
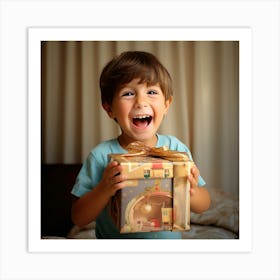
(141, 116)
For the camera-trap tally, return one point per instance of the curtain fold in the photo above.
(204, 113)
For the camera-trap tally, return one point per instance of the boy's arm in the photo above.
(86, 208)
(200, 198)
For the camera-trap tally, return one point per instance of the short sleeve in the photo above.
(89, 176)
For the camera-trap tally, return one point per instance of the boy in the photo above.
(136, 92)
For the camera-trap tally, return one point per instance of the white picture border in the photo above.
(261, 262)
(36, 35)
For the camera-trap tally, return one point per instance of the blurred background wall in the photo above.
(204, 113)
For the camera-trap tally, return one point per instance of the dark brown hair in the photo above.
(130, 65)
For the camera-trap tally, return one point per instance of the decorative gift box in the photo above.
(156, 196)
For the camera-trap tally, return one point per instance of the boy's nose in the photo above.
(140, 101)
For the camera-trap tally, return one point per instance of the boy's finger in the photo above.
(119, 178)
(113, 164)
(195, 172)
(191, 178)
(117, 170)
(110, 167)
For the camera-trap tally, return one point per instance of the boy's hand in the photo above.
(193, 178)
(200, 198)
(113, 179)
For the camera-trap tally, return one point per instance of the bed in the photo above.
(220, 221)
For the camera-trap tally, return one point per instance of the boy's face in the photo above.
(139, 110)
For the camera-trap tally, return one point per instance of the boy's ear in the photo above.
(167, 104)
(108, 109)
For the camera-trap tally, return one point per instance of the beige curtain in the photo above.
(204, 113)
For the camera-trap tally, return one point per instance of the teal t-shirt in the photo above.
(91, 174)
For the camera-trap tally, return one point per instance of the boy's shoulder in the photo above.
(105, 144)
(171, 141)
(107, 147)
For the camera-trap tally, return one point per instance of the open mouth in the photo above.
(142, 121)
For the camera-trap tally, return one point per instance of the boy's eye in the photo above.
(152, 92)
(129, 93)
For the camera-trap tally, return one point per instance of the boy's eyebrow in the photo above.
(127, 87)
(124, 87)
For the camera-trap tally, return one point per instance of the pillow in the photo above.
(223, 211)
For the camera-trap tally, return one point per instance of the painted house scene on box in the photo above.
(140, 140)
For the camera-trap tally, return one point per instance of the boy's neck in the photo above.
(124, 141)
